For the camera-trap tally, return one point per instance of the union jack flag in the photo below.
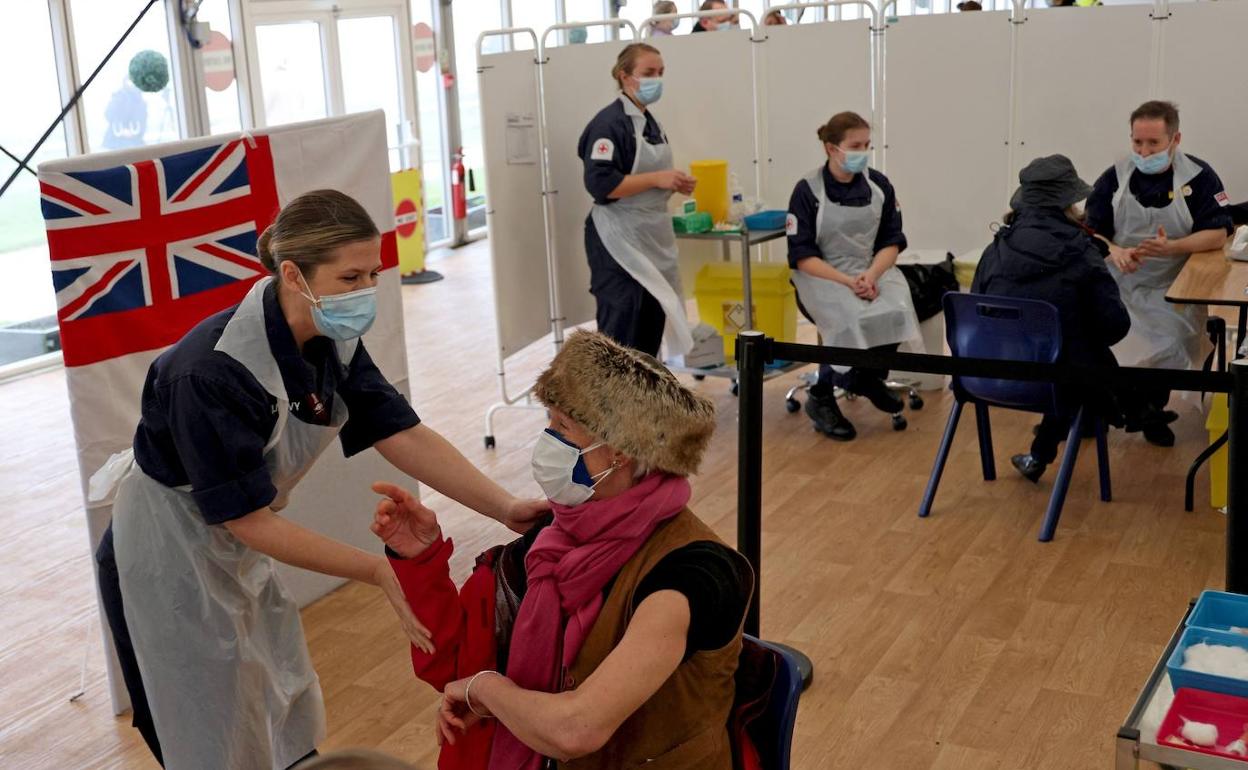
(142, 252)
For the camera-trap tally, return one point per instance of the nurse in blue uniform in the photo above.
(844, 235)
(210, 644)
(628, 234)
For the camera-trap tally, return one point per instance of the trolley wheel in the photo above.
(489, 442)
(899, 422)
(916, 401)
(699, 377)
(792, 405)
(734, 388)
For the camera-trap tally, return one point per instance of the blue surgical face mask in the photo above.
(649, 90)
(559, 469)
(1152, 164)
(855, 160)
(343, 317)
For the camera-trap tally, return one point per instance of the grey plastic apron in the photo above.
(637, 232)
(846, 238)
(1163, 335)
(218, 640)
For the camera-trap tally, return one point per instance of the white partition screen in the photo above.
(1204, 74)
(1085, 116)
(947, 90)
(509, 116)
(811, 73)
(577, 85)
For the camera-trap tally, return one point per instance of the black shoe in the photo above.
(1031, 468)
(1161, 418)
(828, 420)
(881, 397)
(1159, 434)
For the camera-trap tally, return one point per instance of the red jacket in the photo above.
(462, 622)
(466, 637)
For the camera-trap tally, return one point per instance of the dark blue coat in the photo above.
(1044, 255)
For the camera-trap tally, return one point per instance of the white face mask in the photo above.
(559, 469)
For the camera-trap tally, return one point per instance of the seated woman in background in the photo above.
(1044, 252)
(844, 235)
(617, 626)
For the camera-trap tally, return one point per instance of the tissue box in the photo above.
(708, 348)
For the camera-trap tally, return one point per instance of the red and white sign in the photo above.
(425, 47)
(406, 217)
(218, 61)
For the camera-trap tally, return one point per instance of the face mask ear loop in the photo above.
(309, 296)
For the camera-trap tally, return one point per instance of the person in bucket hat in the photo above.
(1044, 252)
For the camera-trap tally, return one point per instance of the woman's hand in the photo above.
(402, 523)
(383, 578)
(521, 515)
(865, 287)
(453, 713)
(674, 180)
(1126, 260)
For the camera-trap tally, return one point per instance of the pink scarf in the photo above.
(568, 565)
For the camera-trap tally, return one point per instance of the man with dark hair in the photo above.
(1154, 209)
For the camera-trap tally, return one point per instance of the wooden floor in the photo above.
(953, 642)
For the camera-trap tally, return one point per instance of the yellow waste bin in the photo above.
(711, 192)
(721, 301)
(1216, 423)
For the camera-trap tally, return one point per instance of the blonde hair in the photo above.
(626, 62)
(355, 759)
(311, 226)
(663, 7)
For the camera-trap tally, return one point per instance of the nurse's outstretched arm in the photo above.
(284, 540)
(423, 454)
(667, 179)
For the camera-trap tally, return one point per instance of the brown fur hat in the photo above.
(629, 401)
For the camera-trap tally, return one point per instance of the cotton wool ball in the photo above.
(1217, 659)
(1200, 733)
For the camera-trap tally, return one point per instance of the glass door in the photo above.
(292, 63)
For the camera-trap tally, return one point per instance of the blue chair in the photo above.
(771, 731)
(1009, 329)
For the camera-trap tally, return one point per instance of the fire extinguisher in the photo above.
(459, 198)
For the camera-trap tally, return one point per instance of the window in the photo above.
(539, 15)
(220, 69)
(132, 102)
(370, 69)
(587, 10)
(292, 72)
(26, 292)
(429, 92)
(468, 27)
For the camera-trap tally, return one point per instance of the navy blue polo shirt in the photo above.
(608, 147)
(1208, 201)
(804, 207)
(206, 420)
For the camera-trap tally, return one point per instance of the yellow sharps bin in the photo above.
(721, 301)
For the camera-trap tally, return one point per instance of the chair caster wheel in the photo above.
(899, 422)
(699, 377)
(735, 388)
(792, 405)
(489, 442)
(916, 402)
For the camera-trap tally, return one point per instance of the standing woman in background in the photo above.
(628, 234)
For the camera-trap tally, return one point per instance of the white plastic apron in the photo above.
(637, 232)
(846, 238)
(219, 642)
(1162, 335)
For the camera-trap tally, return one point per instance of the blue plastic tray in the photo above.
(1219, 610)
(1180, 677)
(766, 220)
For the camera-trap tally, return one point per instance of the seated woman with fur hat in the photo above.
(616, 626)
